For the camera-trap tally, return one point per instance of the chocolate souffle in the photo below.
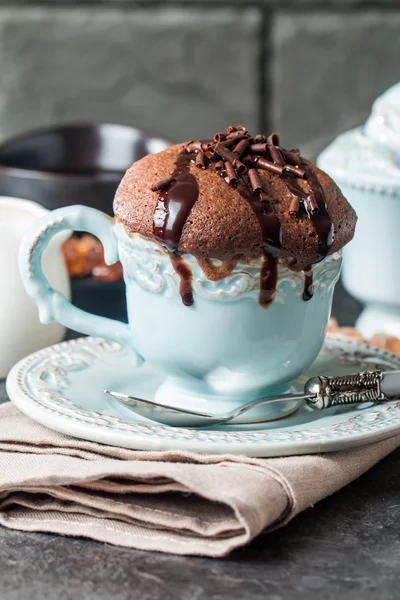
(236, 198)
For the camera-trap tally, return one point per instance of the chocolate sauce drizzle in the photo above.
(271, 234)
(320, 219)
(315, 208)
(174, 205)
(236, 157)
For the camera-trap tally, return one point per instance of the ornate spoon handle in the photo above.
(370, 386)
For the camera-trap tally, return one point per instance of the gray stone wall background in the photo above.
(307, 69)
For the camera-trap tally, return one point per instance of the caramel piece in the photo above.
(332, 325)
(386, 342)
(84, 257)
(347, 333)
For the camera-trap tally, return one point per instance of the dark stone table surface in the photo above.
(347, 546)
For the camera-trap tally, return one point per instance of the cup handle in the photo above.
(52, 305)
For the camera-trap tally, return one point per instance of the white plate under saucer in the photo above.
(62, 386)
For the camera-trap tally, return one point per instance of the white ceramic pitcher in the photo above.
(20, 329)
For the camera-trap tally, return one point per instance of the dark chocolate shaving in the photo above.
(200, 160)
(294, 206)
(296, 171)
(236, 136)
(259, 147)
(228, 143)
(230, 172)
(248, 160)
(241, 147)
(219, 165)
(255, 180)
(240, 167)
(195, 146)
(273, 140)
(260, 139)
(207, 146)
(163, 184)
(312, 204)
(276, 155)
(224, 153)
(291, 157)
(262, 163)
(219, 137)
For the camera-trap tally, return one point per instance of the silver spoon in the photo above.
(319, 393)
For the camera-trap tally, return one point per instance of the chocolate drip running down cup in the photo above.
(236, 198)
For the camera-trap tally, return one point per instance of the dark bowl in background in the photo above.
(78, 163)
(72, 164)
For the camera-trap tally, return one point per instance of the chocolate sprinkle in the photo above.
(259, 148)
(240, 167)
(224, 153)
(195, 146)
(206, 146)
(219, 137)
(248, 160)
(201, 160)
(294, 206)
(291, 157)
(241, 147)
(262, 163)
(230, 172)
(312, 204)
(276, 155)
(161, 185)
(255, 180)
(228, 143)
(296, 171)
(236, 136)
(273, 140)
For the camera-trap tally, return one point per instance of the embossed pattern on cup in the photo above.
(226, 338)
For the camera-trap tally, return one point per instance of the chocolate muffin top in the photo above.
(235, 198)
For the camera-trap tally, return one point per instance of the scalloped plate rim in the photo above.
(96, 427)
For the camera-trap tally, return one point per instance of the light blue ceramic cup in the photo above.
(222, 351)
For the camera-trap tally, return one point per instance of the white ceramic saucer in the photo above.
(62, 387)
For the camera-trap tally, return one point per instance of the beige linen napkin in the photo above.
(167, 501)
